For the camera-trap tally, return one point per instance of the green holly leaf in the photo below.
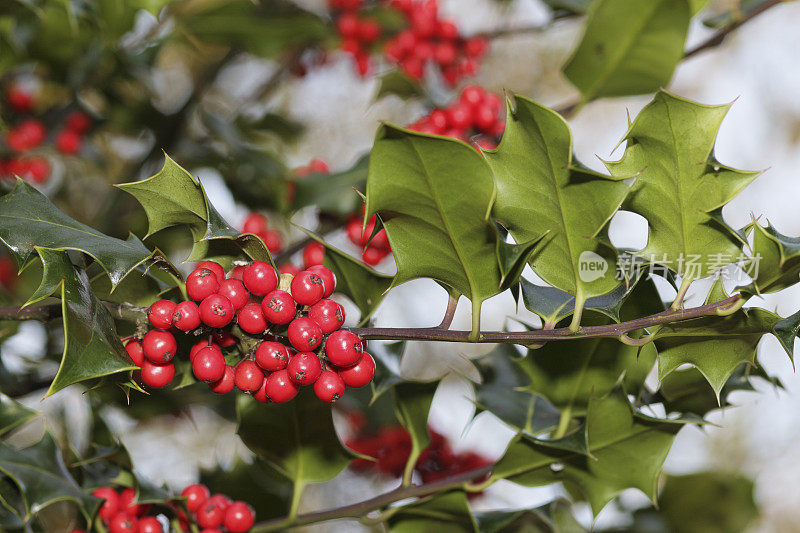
(776, 260)
(625, 449)
(434, 195)
(363, 285)
(629, 47)
(680, 185)
(13, 414)
(540, 191)
(555, 517)
(39, 473)
(412, 404)
(736, 13)
(445, 513)
(332, 193)
(245, 480)
(387, 357)
(92, 348)
(28, 219)
(399, 84)
(296, 439)
(173, 198)
(786, 331)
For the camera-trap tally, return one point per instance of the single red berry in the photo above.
(19, 99)
(381, 240)
(111, 505)
(313, 254)
(307, 288)
(472, 95)
(201, 284)
(248, 376)
(123, 523)
(304, 368)
(216, 311)
(135, 352)
(157, 376)
(343, 348)
(38, 169)
(221, 501)
(251, 319)
(359, 374)
(127, 503)
(328, 315)
(210, 515)
(271, 356)
(484, 118)
(214, 267)
(196, 495)
(445, 53)
(225, 384)
(369, 31)
(237, 272)
(199, 345)
(255, 223)
(78, 121)
(261, 394)
(186, 316)
(280, 388)
(159, 346)
(373, 255)
(413, 67)
(239, 517)
(288, 268)
(160, 314)
(33, 131)
(208, 365)
(273, 241)
(318, 166)
(224, 339)
(279, 307)
(304, 334)
(355, 232)
(347, 24)
(150, 524)
(475, 47)
(68, 142)
(329, 387)
(328, 278)
(260, 278)
(446, 30)
(460, 116)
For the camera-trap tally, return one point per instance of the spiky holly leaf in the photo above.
(13, 414)
(625, 449)
(786, 331)
(555, 517)
(412, 404)
(629, 47)
(40, 475)
(399, 84)
(332, 193)
(680, 186)
(173, 198)
(246, 479)
(434, 195)
(92, 348)
(444, 513)
(776, 260)
(28, 219)
(540, 191)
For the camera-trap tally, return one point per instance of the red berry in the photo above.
(261, 394)
(359, 374)
(234, 290)
(260, 278)
(19, 99)
(196, 495)
(201, 284)
(484, 118)
(38, 169)
(157, 376)
(472, 95)
(460, 116)
(216, 311)
(328, 278)
(373, 255)
(225, 384)
(355, 232)
(348, 25)
(251, 319)
(150, 524)
(68, 142)
(446, 53)
(328, 315)
(199, 345)
(307, 288)
(304, 368)
(272, 240)
(255, 223)
(186, 316)
(127, 503)
(221, 501)
(414, 67)
(159, 346)
(224, 339)
(304, 334)
(111, 505)
(329, 387)
(237, 272)
(135, 352)
(318, 166)
(280, 388)
(446, 30)
(271, 356)
(343, 348)
(381, 240)
(289, 268)
(369, 31)
(123, 523)
(248, 376)
(208, 365)
(313, 254)
(214, 267)
(78, 121)
(210, 515)
(279, 307)
(160, 314)
(475, 47)
(239, 517)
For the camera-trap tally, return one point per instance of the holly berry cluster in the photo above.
(375, 248)
(29, 133)
(432, 40)
(358, 33)
(476, 112)
(266, 311)
(258, 224)
(121, 514)
(390, 446)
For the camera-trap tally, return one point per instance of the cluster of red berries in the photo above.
(268, 310)
(30, 133)
(431, 40)
(8, 272)
(375, 248)
(121, 514)
(476, 112)
(258, 224)
(390, 446)
(358, 33)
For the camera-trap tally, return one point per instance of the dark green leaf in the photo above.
(398, 83)
(776, 260)
(443, 513)
(412, 404)
(13, 414)
(333, 193)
